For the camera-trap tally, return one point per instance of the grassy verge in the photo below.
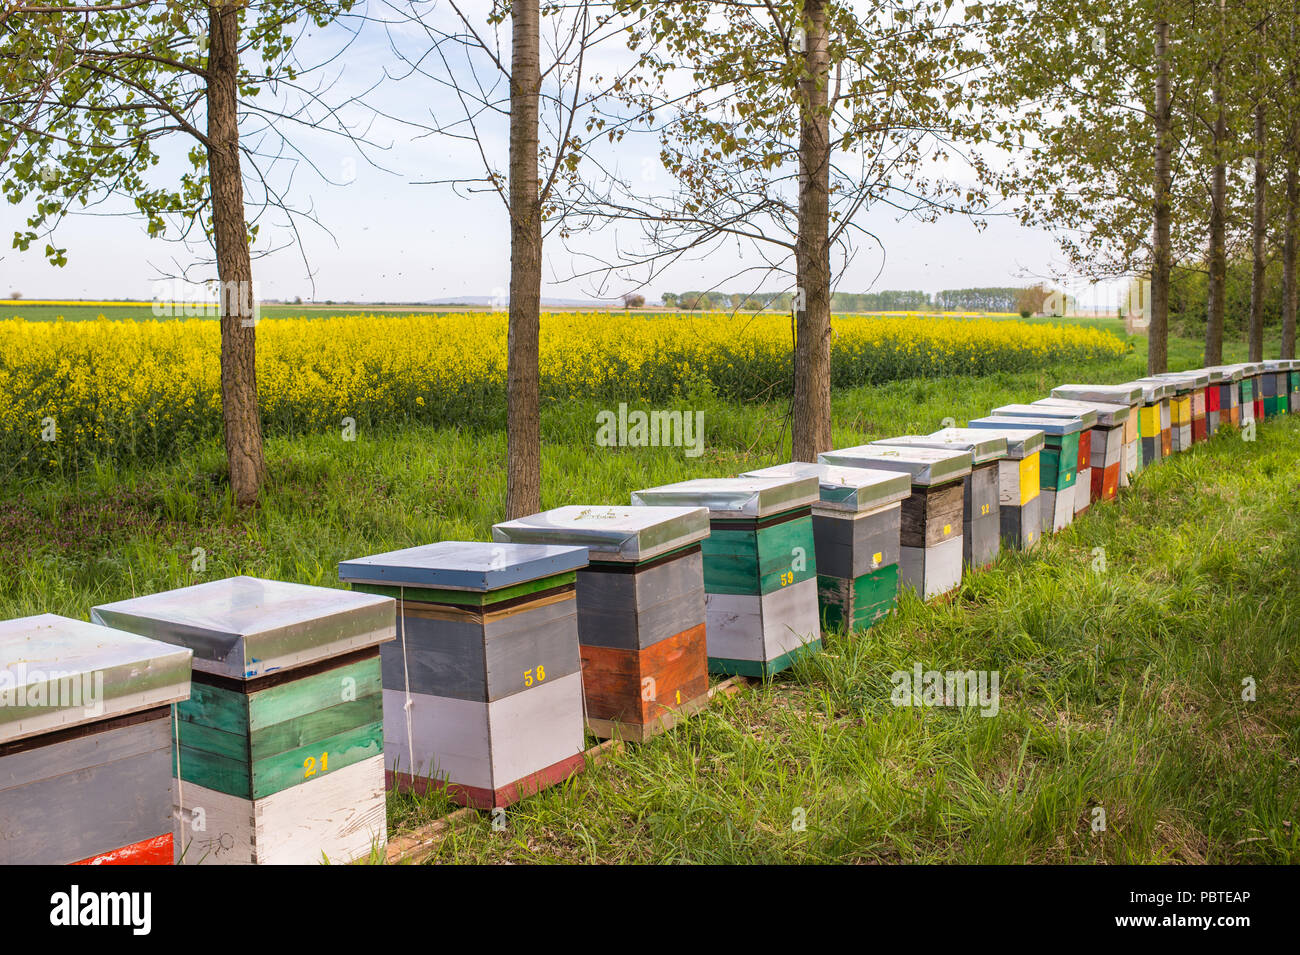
(1120, 690)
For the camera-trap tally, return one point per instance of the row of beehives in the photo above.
(273, 716)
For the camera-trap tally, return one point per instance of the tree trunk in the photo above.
(1158, 332)
(523, 413)
(241, 419)
(811, 427)
(1257, 240)
(1218, 205)
(1289, 291)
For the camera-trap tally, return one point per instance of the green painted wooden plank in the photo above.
(730, 562)
(860, 602)
(213, 706)
(1058, 467)
(321, 691)
(287, 769)
(475, 598)
(759, 562)
(208, 739)
(221, 773)
(760, 668)
(310, 729)
(777, 554)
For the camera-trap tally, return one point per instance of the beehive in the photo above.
(1294, 378)
(1249, 390)
(1058, 471)
(86, 743)
(482, 689)
(931, 532)
(981, 528)
(1187, 407)
(1213, 400)
(1255, 371)
(1155, 420)
(645, 663)
(1229, 393)
(280, 746)
(1083, 457)
(1248, 393)
(1019, 482)
(1277, 386)
(856, 529)
(1128, 396)
(760, 569)
(1107, 445)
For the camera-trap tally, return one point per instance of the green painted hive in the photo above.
(284, 719)
(760, 568)
(856, 529)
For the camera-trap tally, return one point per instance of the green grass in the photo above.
(1120, 690)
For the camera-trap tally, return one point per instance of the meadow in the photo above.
(1121, 688)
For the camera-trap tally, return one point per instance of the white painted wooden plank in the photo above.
(338, 816)
(1083, 490)
(536, 728)
(450, 738)
(934, 570)
(791, 618)
(734, 626)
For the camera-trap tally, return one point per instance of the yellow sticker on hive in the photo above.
(877, 557)
(947, 529)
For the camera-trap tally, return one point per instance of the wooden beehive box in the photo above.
(1106, 445)
(1248, 388)
(1293, 378)
(1058, 471)
(1255, 373)
(1277, 386)
(1154, 421)
(1213, 400)
(760, 569)
(641, 613)
(856, 529)
(981, 530)
(1082, 486)
(1128, 396)
(1019, 481)
(1083, 454)
(1187, 407)
(86, 744)
(1229, 393)
(482, 689)
(280, 746)
(930, 535)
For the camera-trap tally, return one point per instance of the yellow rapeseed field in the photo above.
(126, 388)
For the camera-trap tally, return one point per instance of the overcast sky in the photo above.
(391, 239)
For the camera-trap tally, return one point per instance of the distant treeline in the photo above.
(962, 300)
